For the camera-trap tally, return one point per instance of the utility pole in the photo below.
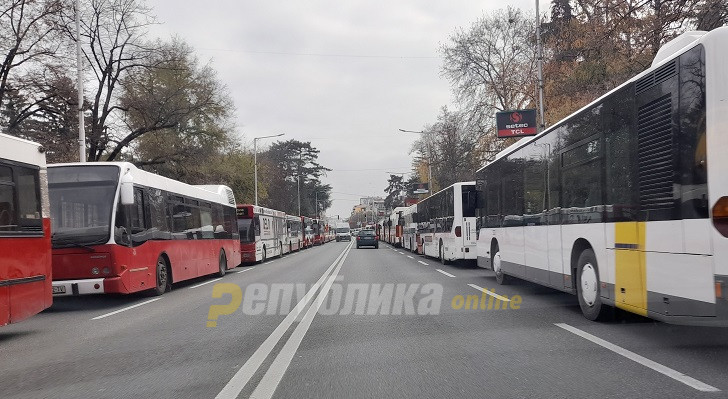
(79, 87)
(255, 161)
(539, 56)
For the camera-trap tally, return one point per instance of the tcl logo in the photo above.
(516, 117)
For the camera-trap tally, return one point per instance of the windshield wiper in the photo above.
(69, 244)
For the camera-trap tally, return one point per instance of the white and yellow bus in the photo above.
(625, 202)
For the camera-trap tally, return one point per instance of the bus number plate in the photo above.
(59, 289)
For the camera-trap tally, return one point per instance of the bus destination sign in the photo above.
(517, 123)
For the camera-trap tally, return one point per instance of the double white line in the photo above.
(274, 374)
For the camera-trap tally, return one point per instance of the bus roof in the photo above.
(20, 150)
(149, 179)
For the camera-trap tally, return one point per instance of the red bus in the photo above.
(319, 233)
(119, 229)
(25, 234)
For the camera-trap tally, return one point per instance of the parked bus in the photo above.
(409, 228)
(263, 233)
(25, 246)
(395, 227)
(308, 231)
(119, 229)
(446, 223)
(295, 233)
(616, 203)
(318, 230)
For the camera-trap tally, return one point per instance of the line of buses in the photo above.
(108, 227)
(624, 203)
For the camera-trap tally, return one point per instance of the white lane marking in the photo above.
(271, 261)
(241, 378)
(493, 294)
(674, 374)
(401, 253)
(445, 273)
(269, 383)
(206, 282)
(244, 270)
(125, 309)
(410, 257)
(426, 264)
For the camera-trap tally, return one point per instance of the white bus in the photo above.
(409, 228)
(263, 233)
(446, 223)
(295, 233)
(394, 227)
(624, 202)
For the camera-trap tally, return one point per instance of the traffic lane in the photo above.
(163, 348)
(701, 352)
(485, 353)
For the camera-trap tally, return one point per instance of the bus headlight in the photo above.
(95, 271)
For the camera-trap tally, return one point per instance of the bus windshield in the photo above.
(247, 232)
(81, 199)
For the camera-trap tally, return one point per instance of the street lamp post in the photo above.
(255, 161)
(429, 157)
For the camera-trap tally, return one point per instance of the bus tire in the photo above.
(265, 255)
(500, 277)
(280, 245)
(588, 288)
(222, 263)
(162, 277)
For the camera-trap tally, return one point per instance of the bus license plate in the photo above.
(59, 289)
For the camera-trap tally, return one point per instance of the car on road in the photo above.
(367, 238)
(343, 232)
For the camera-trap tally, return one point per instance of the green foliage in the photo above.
(289, 167)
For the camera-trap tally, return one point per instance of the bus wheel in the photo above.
(265, 255)
(222, 262)
(442, 255)
(500, 277)
(588, 289)
(163, 280)
(280, 245)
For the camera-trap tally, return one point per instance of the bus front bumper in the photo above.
(78, 287)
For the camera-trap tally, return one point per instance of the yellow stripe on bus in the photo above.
(630, 284)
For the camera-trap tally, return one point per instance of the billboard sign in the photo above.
(516, 123)
(421, 188)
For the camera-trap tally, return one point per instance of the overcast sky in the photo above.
(344, 75)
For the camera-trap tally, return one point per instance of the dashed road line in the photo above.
(445, 273)
(206, 282)
(125, 309)
(424, 263)
(244, 270)
(488, 292)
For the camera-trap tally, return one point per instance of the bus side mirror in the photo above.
(126, 189)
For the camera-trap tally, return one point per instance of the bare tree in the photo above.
(114, 44)
(26, 27)
(492, 65)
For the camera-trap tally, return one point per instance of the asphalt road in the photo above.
(336, 321)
